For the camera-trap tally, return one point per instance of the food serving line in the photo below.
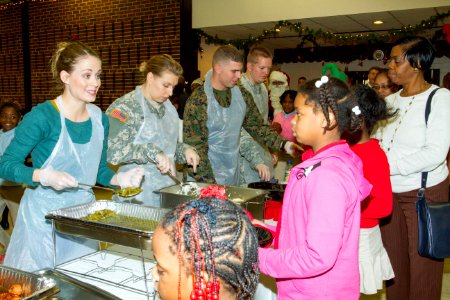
(122, 270)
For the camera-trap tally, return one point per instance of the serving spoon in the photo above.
(125, 192)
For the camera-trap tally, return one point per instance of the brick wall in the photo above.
(123, 32)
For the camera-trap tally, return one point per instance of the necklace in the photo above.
(391, 141)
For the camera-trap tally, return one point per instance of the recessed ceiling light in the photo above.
(378, 22)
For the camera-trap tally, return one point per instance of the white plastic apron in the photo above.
(163, 132)
(224, 126)
(31, 246)
(262, 103)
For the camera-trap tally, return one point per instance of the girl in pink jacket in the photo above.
(316, 252)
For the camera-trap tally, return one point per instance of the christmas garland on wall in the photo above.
(312, 35)
(13, 3)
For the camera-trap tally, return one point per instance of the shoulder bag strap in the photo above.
(427, 113)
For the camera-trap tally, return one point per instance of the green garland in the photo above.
(312, 35)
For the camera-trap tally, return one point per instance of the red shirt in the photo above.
(376, 171)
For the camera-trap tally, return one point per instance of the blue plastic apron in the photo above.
(163, 132)
(31, 246)
(5, 140)
(224, 126)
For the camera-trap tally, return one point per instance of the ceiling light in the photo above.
(378, 22)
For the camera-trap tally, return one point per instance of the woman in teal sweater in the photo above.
(67, 141)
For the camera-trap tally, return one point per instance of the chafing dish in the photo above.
(69, 220)
(33, 286)
(250, 199)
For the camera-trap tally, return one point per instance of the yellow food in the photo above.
(100, 215)
(107, 216)
(129, 191)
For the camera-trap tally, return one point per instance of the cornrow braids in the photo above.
(333, 96)
(216, 236)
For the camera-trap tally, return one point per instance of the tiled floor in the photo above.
(445, 286)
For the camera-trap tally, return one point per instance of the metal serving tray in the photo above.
(33, 286)
(68, 220)
(71, 288)
(252, 199)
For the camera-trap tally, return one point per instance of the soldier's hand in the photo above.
(163, 163)
(192, 158)
(263, 171)
(293, 149)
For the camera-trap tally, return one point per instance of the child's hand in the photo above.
(277, 127)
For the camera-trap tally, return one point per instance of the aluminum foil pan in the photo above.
(250, 199)
(69, 220)
(33, 286)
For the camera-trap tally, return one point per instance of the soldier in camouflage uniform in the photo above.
(260, 163)
(214, 116)
(144, 129)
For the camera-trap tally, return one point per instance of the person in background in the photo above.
(10, 116)
(371, 74)
(278, 83)
(282, 121)
(179, 96)
(256, 160)
(315, 255)
(67, 141)
(301, 81)
(383, 84)
(145, 129)
(413, 147)
(214, 115)
(374, 264)
(206, 249)
(195, 84)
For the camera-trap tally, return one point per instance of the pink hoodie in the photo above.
(317, 256)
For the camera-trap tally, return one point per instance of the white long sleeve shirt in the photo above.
(415, 147)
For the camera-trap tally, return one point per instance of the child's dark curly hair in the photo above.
(291, 93)
(13, 105)
(218, 235)
(333, 96)
(373, 107)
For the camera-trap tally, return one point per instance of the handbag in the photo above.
(433, 218)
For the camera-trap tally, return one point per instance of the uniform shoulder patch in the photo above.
(119, 115)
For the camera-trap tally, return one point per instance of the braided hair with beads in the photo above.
(333, 95)
(214, 235)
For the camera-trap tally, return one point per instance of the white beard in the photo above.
(275, 93)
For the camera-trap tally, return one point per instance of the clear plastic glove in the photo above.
(192, 158)
(56, 179)
(263, 171)
(165, 164)
(292, 149)
(130, 178)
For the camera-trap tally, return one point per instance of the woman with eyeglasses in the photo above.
(383, 84)
(413, 147)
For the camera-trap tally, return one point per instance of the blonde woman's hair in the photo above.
(160, 63)
(65, 57)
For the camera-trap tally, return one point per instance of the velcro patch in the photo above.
(117, 114)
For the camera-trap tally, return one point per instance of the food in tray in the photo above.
(129, 191)
(107, 216)
(100, 215)
(14, 293)
(190, 189)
